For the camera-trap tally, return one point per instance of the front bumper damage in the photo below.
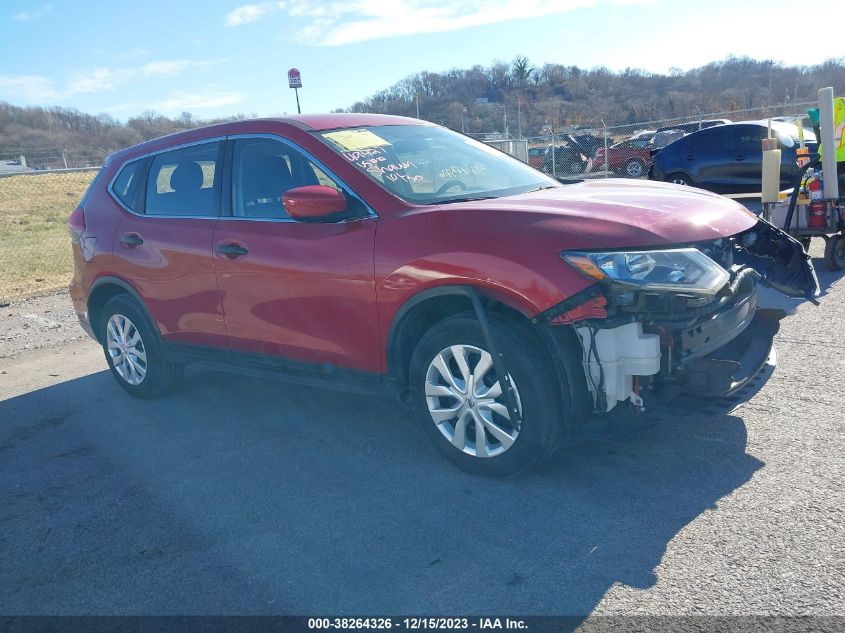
(668, 344)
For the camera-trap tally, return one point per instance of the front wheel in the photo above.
(834, 253)
(134, 351)
(573, 168)
(679, 179)
(459, 400)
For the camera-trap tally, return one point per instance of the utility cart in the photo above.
(817, 205)
(809, 215)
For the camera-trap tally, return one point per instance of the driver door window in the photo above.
(263, 171)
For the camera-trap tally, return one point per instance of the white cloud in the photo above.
(340, 23)
(197, 101)
(172, 67)
(248, 13)
(134, 53)
(166, 68)
(28, 88)
(97, 80)
(40, 89)
(28, 16)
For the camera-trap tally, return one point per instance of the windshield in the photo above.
(787, 134)
(431, 165)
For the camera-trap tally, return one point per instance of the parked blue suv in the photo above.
(727, 158)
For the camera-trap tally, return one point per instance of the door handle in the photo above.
(131, 240)
(740, 157)
(690, 156)
(231, 250)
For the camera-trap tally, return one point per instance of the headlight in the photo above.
(677, 270)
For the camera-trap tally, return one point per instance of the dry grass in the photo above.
(35, 252)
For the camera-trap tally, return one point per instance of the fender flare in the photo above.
(464, 290)
(114, 281)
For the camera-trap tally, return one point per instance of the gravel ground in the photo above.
(246, 496)
(37, 323)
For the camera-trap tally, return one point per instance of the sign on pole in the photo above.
(294, 78)
(295, 82)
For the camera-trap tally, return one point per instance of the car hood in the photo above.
(624, 213)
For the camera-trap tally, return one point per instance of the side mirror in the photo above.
(313, 202)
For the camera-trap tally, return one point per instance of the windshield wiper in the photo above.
(467, 199)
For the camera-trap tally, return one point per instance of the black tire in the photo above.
(573, 168)
(834, 253)
(634, 168)
(161, 376)
(680, 179)
(533, 375)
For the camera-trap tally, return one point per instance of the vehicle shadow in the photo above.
(247, 496)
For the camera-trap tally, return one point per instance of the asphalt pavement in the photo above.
(248, 496)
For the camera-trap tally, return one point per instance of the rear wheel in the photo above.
(679, 179)
(134, 351)
(458, 397)
(834, 253)
(634, 168)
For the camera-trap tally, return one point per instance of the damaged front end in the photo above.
(685, 319)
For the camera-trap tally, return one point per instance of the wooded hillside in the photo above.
(476, 100)
(557, 95)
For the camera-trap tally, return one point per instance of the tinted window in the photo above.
(749, 137)
(185, 182)
(263, 170)
(715, 140)
(125, 184)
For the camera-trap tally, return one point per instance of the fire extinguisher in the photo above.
(817, 218)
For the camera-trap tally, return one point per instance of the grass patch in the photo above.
(35, 253)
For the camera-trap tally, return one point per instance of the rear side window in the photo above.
(714, 140)
(749, 138)
(126, 183)
(185, 182)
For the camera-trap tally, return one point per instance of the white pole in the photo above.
(604, 125)
(831, 179)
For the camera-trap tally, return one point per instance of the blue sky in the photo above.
(217, 58)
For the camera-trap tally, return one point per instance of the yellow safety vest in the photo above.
(838, 129)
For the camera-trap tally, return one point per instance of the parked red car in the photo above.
(630, 158)
(373, 252)
(537, 157)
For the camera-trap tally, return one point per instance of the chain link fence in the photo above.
(35, 253)
(37, 192)
(577, 152)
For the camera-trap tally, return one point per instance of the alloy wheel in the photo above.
(467, 404)
(634, 169)
(126, 349)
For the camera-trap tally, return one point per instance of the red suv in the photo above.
(378, 252)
